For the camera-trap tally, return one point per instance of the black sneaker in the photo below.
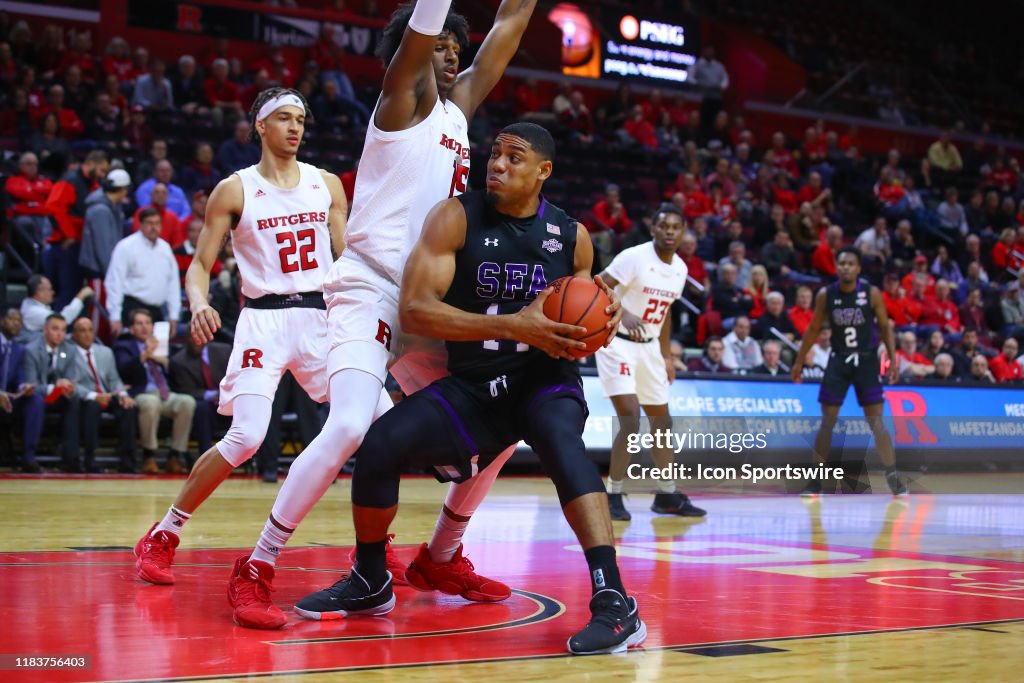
(675, 504)
(350, 596)
(896, 485)
(617, 509)
(614, 625)
(813, 488)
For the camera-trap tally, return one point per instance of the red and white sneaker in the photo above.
(395, 566)
(249, 594)
(454, 578)
(154, 555)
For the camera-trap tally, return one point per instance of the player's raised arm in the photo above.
(497, 50)
(811, 335)
(885, 329)
(222, 210)
(428, 275)
(337, 219)
(409, 92)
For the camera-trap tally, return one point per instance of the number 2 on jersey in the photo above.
(304, 241)
(851, 337)
(655, 312)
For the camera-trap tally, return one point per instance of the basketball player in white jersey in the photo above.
(416, 154)
(284, 218)
(636, 369)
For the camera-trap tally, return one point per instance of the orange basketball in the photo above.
(579, 301)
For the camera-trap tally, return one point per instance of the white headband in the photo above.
(282, 100)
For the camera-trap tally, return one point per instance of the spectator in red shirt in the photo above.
(328, 54)
(80, 55)
(802, 313)
(1000, 177)
(938, 312)
(678, 111)
(694, 264)
(695, 202)
(638, 130)
(610, 214)
(576, 117)
(197, 208)
(653, 107)
(814, 192)
(221, 94)
(1008, 253)
(28, 192)
(721, 206)
(920, 266)
(781, 157)
(138, 132)
(911, 362)
(527, 98)
(903, 312)
(171, 229)
(67, 204)
(823, 260)
(1005, 367)
(757, 289)
(783, 195)
(815, 146)
(70, 124)
(118, 62)
(721, 175)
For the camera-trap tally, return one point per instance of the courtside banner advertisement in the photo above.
(715, 415)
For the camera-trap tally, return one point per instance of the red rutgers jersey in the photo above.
(282, 242)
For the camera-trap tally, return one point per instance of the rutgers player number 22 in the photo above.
(303, 242)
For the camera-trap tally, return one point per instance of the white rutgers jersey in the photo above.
(402, 175)
(282, 242)
(647, 285)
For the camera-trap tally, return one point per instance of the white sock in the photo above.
(272, 540)
(172, 521)
(448, 533)
(666, 486)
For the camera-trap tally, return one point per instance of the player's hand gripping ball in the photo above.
(580, 301)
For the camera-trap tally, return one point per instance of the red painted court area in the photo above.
(691, 592)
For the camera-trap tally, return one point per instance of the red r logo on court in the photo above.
(251, 358)
(384, 334)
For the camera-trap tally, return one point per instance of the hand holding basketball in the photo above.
(582, 302)
(534, 327)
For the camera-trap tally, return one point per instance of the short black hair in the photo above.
(139, 311)
(147, 212)
(849, 250)
(33, 284)
(456, 25)
(55, 316)
(267, 95)
(669, 207)
(538, 136)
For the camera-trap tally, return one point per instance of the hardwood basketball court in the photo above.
(767, 587)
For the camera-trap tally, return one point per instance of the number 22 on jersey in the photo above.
(303, 242)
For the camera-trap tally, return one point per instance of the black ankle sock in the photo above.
(890, 470)
(370, 560)
(604, 572)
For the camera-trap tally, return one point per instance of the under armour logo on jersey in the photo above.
(316, 187)
(554, 229)
(488, 242)
(260, 192)
(551, 246)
